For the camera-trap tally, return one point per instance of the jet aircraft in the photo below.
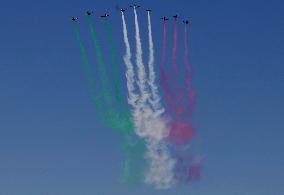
(135, 6)
(186, 21)
(104, 16)
(165, 18)
(74, 19)
(89, 13)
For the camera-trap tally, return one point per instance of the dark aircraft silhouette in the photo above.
(165, 18)
(104, 16)
(122, 10)
(89, 13)
(175, 16)
(135, 6)
(74, 19)
(186, 21)
(148, 10)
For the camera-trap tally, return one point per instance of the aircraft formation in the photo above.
(154, 117)
(164, 18)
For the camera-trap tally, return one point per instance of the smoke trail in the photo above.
(163, 81)
(89, 71)
(188, 73)
(83, 50)
(94, 89)
(152, 128)
(130, 75)
(141, 101)
(179, 95)
(114, 70)
(174, 58)
(134, 164)
(124, 118)
(112, 118)
(132, 98)
(169, 96)
(101, 65)
(155, 99)
(160, 173)
(140, 66)
(182, 132)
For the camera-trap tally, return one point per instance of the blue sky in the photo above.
(52, 143)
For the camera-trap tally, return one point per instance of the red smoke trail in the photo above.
(174, 58)
(179, 95)
(165, 86)
(188, 73)
(171, 99)
(181, 130)
(188, 169)
(179, 105)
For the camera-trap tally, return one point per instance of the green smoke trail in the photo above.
(111, 115)
(121, 121)
(101, 65)
(98, 100)
(115, 73)
(134, 164)
(131, 172)
(88, 69)
(116, 120)
(110, 119)
(126, 116)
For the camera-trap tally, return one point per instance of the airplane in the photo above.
(135, 6)
(104, 16)
(165, 18)
(186, 21)
(74, 19)
(89, 13)
(148, 10)
(122, 10)
(175, 16)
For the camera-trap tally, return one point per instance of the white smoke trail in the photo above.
(140, 65)
(130, 75)
(151, 127)
(160, 173)
(144, 95)
(155, 99)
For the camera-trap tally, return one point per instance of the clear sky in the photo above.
(52, 143)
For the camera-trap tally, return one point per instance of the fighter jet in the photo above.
(135, 6)
(165, 18)
(104, 16)
(89, 13)
(186, 21)
(148, 10)
(122, 10)
(175, 16)
(74, 19)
